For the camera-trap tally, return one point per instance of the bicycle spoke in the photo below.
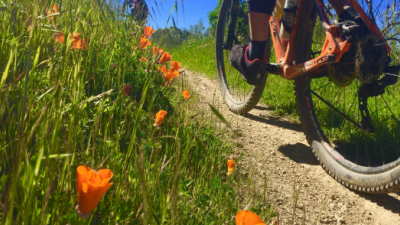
(338, 111)
(394, 117)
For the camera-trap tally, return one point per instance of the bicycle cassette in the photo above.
(373, 59)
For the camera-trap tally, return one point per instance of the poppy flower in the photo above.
(144, 42)
(160, 118)
(231, 165)
(127, 89)
(186, 94)
(184, 123)
(169, 76)
(78, 43)
(155, 49)
(148, 31)
(91, 186)
(165, 57)
(59, 37)
(163, 69)
(52, 11)
(176, 65)
(143, 59)
(248, 218)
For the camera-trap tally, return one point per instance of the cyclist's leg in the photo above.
(250, 60)
(259, 26)
(259, 12)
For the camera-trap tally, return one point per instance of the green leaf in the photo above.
(219, 115)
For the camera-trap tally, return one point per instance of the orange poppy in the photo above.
(155, 49)
(176, 65)
(231, 165)
(52, 11)
(160, 118)
(186, 94)
(91, 186)
(248, 218)
(59, 37)
(165, 57)
(184, 123)
(78, 43)
(143, 59)
(163, 69)
(144, 42)
(148, 31)
(169, 76)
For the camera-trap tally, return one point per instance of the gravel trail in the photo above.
(275, 144)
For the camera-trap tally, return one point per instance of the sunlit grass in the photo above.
(63, 107)
(199, 55)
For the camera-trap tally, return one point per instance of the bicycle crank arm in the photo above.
(274, 68)
(290, 72)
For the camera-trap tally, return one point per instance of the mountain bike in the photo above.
(346, 93)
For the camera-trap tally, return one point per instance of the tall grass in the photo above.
(62, 107)
(197, 54)
(278, 94)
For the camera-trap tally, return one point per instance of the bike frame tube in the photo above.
(333, 49)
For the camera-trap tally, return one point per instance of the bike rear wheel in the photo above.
(238, 95)
(363, 161)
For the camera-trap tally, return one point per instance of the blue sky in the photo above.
(193, 11)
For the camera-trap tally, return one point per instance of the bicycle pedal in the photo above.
(274, 68)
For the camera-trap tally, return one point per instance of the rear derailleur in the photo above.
(374, 89)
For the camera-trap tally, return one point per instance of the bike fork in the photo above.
(232, 25)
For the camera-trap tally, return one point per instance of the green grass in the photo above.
(278, 94)
(197, 55)
(279, 97)
(62, 108)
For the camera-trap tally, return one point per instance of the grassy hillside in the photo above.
(79, 87)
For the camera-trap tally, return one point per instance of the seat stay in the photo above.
(332, 51)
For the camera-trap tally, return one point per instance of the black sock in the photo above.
(257, 50)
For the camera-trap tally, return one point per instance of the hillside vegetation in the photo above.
(81, 88)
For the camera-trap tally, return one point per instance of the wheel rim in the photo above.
(234, 86)
(365, 149)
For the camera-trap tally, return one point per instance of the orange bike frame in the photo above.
(333, 49)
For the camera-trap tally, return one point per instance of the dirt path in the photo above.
(275, 143)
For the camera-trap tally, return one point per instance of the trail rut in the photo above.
(275, 144)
